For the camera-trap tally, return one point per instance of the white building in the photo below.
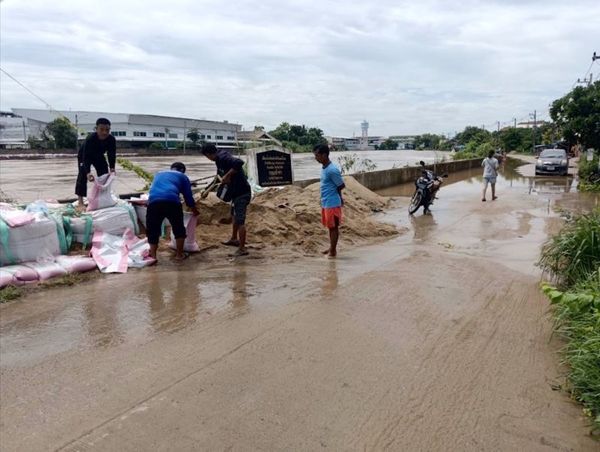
(135, 130)
(14, 131)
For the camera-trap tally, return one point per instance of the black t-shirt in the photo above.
(239, 182)
(93, 149)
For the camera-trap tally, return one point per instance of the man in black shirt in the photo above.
(234, 180)
(91, 153)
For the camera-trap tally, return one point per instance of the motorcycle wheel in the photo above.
(415, 203)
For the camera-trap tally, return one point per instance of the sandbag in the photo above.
(76, 264)
(41, 239)
(21, 274)
(6, 278)
(16, 217)
(114, 254)
(46, 270)
(101, 195)
(112, 220)
(190, 245)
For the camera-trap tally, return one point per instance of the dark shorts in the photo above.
(239, 206)
(155, 215)
(81, 185)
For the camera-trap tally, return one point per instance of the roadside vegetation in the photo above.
(138, 170)
(571, 260)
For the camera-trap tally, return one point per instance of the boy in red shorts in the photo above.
(332, 185)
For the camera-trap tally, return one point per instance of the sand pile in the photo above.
(291, 217)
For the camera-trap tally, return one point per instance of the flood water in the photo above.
(28, 180)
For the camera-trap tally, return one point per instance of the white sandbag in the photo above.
(141, 213)
(6, 278)
(112, 220)
(76, 264)
(16, 217)
(30, 242)
(21, 274)
(46, 270)
(190, 245)
(114, 254)
(109, 252)
(101, 195)
(138, 251)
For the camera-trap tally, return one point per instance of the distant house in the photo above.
(257, 137)
(530, 124)
(404, 141)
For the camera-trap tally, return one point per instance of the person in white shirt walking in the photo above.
(490, 173)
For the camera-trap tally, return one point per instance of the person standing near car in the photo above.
(490, 173)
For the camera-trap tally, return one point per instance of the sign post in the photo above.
(270, 166)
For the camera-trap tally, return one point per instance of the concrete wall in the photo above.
(376, 180)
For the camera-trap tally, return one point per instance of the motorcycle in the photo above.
(427, 186)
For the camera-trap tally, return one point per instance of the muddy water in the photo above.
(28, 180)
(438, 337)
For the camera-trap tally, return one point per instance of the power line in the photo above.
(48, 106)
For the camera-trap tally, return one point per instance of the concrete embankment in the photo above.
(376, 180)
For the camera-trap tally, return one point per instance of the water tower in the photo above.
(364, 139)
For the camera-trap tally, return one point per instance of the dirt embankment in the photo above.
(290, 217)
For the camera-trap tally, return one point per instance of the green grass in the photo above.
(10, 293)
(572, 260)
(577, 319)
(573, 254)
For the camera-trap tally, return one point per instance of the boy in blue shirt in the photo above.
(332, 185)
(164, 202)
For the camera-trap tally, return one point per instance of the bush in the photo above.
(577, 319)
(573, 254)
(156, 146)
(589, 175)
(572, 258)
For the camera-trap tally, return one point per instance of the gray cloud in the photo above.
(407, 66)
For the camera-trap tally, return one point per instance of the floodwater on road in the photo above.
(54, 178)
(437, 339)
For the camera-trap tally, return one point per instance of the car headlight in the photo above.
(563, 162)
(539, 161)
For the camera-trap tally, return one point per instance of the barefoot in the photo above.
(181, 257)
(325, 251)
(332, 255)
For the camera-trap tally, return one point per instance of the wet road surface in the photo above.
(436, 340)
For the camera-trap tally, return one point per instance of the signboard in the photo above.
(270, 166)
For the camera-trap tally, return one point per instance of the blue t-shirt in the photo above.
(167, 185)
(331, 179)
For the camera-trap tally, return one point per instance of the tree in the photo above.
(475, 134)
(194, 136)
(577, 115)
(428, 141)
(389, 145)
(300, 135)
(62, 132)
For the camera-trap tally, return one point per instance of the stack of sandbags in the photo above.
(112, 220)
(33, 236)
(31, 272)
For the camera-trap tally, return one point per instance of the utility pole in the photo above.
(77, 132)
(534, 127)
(184, 124)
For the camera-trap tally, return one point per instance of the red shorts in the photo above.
(329, 215)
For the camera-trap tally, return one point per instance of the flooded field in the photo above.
(28, 180)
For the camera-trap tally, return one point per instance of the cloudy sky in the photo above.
(406, 66)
